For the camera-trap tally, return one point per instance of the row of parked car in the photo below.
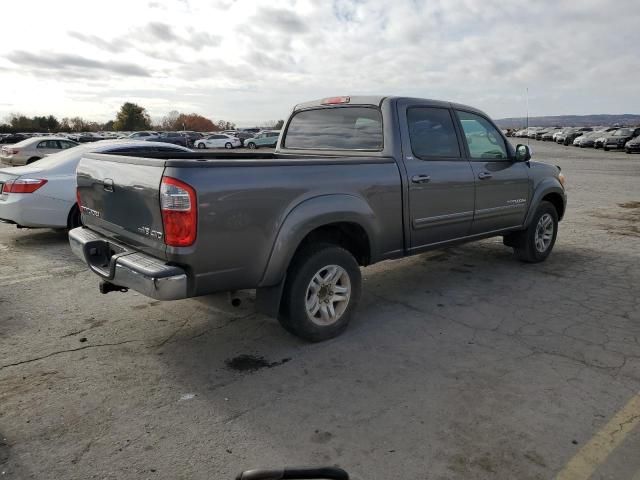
(607, 138)
(43, 193)
(251, 137)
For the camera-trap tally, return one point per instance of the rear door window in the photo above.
(337, 128)
(432, 133)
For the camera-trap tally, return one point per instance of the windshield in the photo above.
(339, 128)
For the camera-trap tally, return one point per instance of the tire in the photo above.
(314, 266)
(252, 145)
(534, 244)
(74, 219)
(202, 146)
(32, 159)
(228, 146)
(606, 149)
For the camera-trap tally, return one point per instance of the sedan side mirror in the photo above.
(322, 473)
(523, 153)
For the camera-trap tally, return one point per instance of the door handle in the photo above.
(420, 178)
(484, 175)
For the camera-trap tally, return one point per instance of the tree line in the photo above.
(130, 117)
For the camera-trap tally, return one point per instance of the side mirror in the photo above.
(321, 473)
(523, 153)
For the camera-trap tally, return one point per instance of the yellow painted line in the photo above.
(596, 451)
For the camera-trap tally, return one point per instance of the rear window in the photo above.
(338, 128)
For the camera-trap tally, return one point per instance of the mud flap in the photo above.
(268, 299)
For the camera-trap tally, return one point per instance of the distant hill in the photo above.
(571, 120)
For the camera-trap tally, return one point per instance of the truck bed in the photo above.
(243, 201)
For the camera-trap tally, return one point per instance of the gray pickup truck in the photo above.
(353, 181)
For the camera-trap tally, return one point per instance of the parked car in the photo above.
(633, 145)
(619, 138)
(32, 149)
(218, 140)
(268, 138)
(243, 137)
(43, 194)
(85, 137)
(539, 133)
(548, 135)
(589, 139)
(12, 138)
(568, 136)
(176, 138)
(340, 191)
(193, 137)
(143, 135)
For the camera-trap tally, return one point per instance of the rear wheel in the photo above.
(228, 145)
(32, 159)
(534, 244)
(321, 292)
(202, 146)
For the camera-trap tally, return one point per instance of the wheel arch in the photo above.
(549, 190)
(342, 219)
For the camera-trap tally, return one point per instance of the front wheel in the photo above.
(228, 145)
(321, 292)
(534, 244)
(202, 146)
(252, 146)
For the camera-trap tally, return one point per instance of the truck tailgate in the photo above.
(120, 197)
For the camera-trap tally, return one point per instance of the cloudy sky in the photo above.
(251, 61)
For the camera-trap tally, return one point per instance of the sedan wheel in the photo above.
(201, 146)
(252, 146)
(228, 145)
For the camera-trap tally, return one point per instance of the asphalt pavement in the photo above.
(461, 363)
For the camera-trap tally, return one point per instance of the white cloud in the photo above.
(245, 61)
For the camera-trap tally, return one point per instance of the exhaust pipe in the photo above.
(234, 299)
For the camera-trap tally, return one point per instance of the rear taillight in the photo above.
(23, 185)
(179, 212)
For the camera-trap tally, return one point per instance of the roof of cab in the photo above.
(377, 100)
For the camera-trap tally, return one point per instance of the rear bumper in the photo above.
(143, 273)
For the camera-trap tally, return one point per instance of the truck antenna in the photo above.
(527, 97)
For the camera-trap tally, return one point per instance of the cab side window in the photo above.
(432, 133)
(483, 139)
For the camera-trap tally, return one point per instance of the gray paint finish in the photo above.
(253, 211)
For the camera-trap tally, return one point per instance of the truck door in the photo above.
(502, 185)
(439, 176)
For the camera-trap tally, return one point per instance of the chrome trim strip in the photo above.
(493, 211)
(442, 219)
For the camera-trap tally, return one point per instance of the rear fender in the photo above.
(311, 214)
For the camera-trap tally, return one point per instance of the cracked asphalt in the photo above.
(461, 363)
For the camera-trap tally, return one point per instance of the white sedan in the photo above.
(218, 140)
(43, 194)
